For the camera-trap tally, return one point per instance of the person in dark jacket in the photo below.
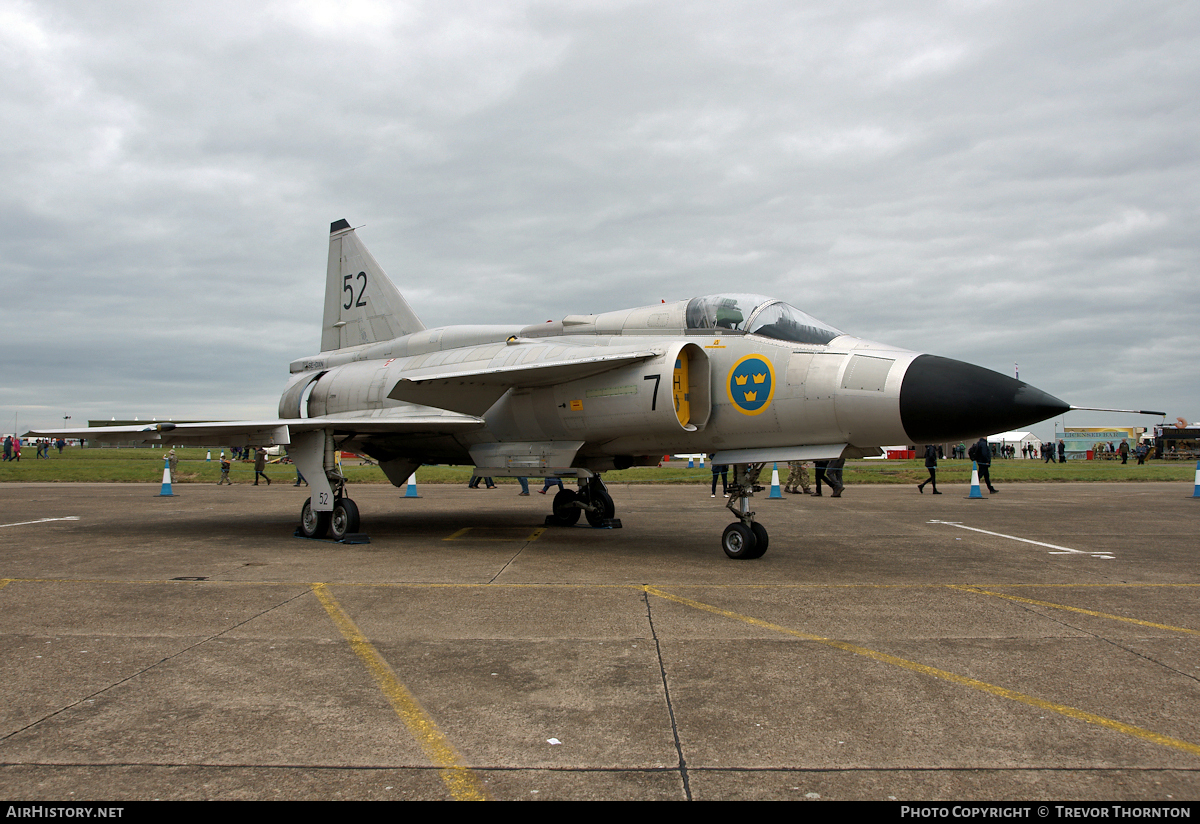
(931, 458)
(984, 461)
(260, 463)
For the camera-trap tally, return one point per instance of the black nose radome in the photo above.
(948, 400)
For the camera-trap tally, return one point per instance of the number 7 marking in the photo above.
(654, 400)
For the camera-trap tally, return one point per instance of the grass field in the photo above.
(146, 465)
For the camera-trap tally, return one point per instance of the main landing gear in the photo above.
(747, 538)
(339, 523)
(591, 500)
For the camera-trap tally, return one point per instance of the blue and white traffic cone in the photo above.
(208, 456)
(166, 486)
(975, 491)
(691, 461)
(701, 460)
(1196, 493)
(776, 492)
(411, 490)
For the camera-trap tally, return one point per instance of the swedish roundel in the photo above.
(751, 384)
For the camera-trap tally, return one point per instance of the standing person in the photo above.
(931, 458)
(798, 478)
(1124, 450)
(984, 461)
(833, 475)
(549, 483)
(1062, 452)
(16, 456)
(723, 471)
(224, 471)
(524, 482)
(172, 462)
(8, 448)
(821, 476)
(260, 463)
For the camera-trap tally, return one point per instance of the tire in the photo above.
(739, 542)
(564, 510)
(313, 524)
(760, 539)
(344, 520)
(605, 508)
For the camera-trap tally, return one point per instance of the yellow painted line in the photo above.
(462, 533)
(5, 582)
(1087, 585)
(913, 666)
(1081, 611)
(463, 784)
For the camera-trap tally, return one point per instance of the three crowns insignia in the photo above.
(760, 382)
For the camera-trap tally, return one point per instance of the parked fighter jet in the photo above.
(745, 377)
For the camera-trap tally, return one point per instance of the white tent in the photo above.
(1017, 439)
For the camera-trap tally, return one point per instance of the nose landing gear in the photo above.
(747, 538)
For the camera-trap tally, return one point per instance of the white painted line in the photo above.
(1058, 550)
(42, 521)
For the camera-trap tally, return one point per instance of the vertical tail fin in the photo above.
(361, 304)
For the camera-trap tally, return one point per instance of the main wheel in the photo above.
(565, 511)
(604, 508)
(760, 539)
(344, 520)
(739, 542)
(313, 524)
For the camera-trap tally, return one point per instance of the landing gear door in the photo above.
(307, 451)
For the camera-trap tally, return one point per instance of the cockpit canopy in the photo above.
(759, 315)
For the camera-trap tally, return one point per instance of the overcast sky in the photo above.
(999, 182)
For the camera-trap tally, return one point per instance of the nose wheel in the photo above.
(743, 543)
(746, 538)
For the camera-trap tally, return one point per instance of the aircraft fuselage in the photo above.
(742, 391)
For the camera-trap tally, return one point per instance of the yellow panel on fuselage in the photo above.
(679, 389)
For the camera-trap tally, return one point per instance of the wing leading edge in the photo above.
(270, 432)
